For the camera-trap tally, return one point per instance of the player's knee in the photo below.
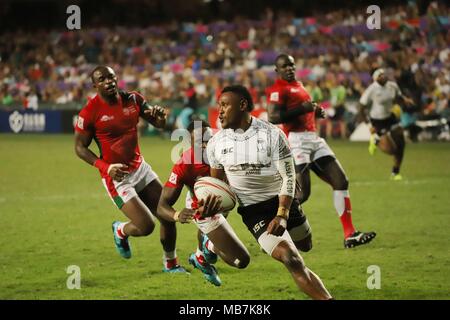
(167, 224)
(343, 183)
(304, 196)
(147, 228)
(292, 260)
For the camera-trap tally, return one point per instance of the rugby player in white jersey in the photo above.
(254, 157)
(386, 131)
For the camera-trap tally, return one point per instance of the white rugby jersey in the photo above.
(249, 160)
(380, 98)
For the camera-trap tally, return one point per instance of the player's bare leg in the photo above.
(302, 193)
(396, 141)
(330, 170)
(199, 238)
(142, 223)
(168, 233)
(393, 143)
(305, 279)
(303, 190)
(229, 247)
(224, 242)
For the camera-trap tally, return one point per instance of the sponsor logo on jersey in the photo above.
(250, 168)
(129, 110)
(274, 96)
(173, 178)
(294, 90)
(227, 150)
(80, 123)
(105, 118)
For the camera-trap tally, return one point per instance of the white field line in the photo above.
(404, 182)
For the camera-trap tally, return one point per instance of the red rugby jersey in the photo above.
(291, 94)
(185, 173)
(114, 127)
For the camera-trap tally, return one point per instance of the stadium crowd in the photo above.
(189, 63)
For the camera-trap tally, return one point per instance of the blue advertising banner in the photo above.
(31, 121)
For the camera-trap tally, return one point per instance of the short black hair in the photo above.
(97, 68)
(281, 56)
(242, 92)
(191, 125)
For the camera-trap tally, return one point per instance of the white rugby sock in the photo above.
(210, 246)
(120, 232)
(170, 259)
(339, 201)
(170, 255)
(342, 204)
(199, 253)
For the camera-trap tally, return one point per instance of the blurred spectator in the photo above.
(6, 97)
(31, 100)
(184, 62)
(336, 112)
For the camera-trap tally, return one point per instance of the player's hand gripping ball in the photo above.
(211, 186)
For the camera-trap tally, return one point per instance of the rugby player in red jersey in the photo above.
(215, 236)
(290, 105)
(110, 118)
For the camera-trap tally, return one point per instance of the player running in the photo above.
(386, 131)
(110, 118)
(290, 105)
(215, 234)
(255, 158)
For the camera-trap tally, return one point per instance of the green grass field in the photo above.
(55, 213)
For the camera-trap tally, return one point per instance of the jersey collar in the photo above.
(119, 101)
(284, 83)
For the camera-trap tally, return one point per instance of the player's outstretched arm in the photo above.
(402, 99)
(363, 114)
(82, 142)
(156, 116)
(117, 171)
(169, 197)
(279, 114)
(284, 163)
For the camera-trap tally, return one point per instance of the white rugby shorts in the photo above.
(307, 147)
(131, 185)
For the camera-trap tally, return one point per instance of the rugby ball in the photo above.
(209, 185)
